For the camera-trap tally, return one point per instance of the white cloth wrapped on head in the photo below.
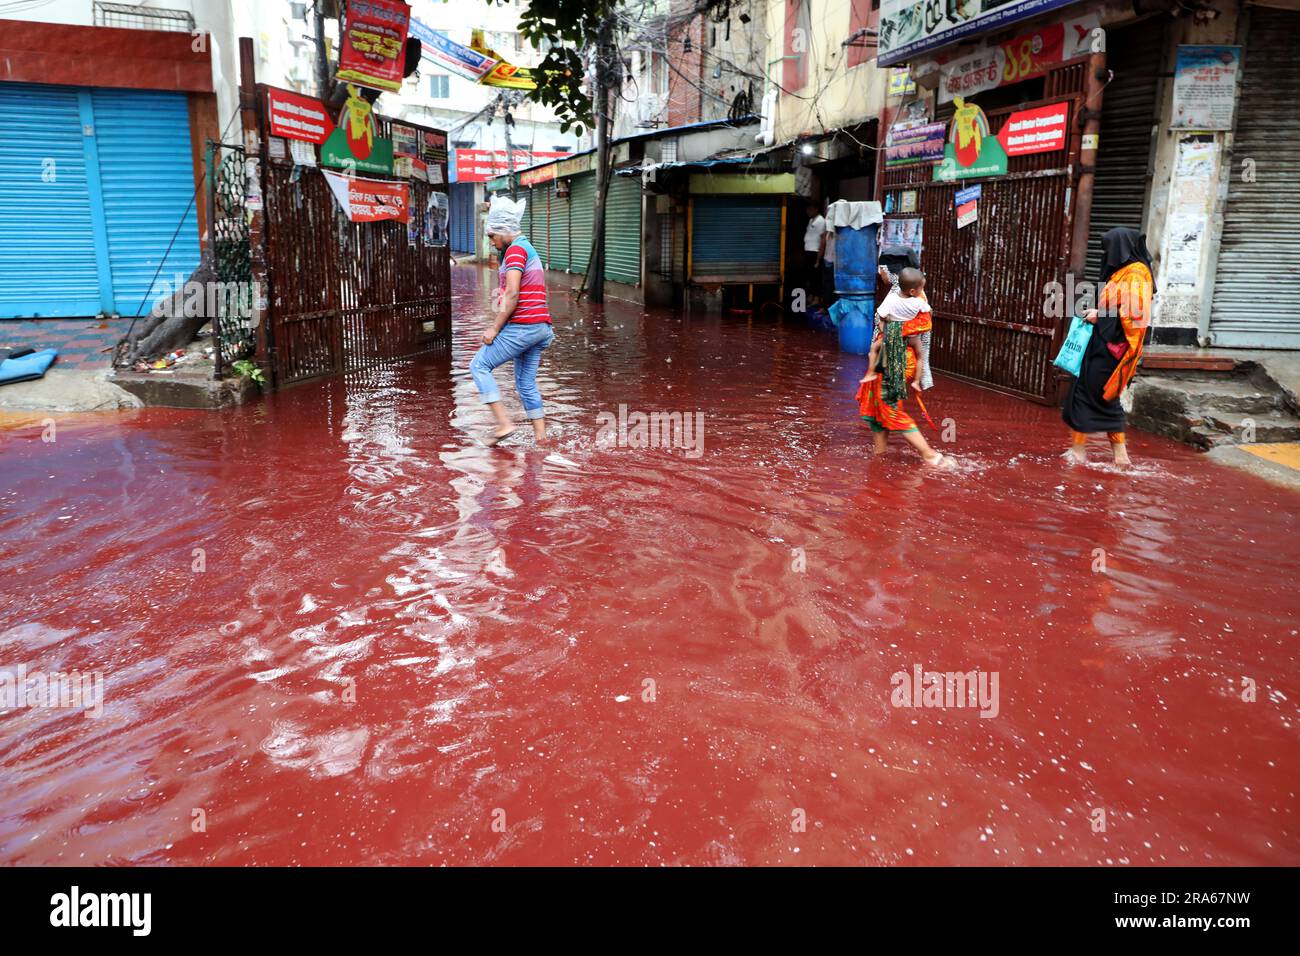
(505, 216)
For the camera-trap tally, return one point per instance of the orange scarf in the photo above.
(1128, 292)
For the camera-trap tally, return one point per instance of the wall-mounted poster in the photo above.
(909, 142)
(435, 220)
(1040, 130)
(370, 200)
(909, 27)
(355, 144)
(966, 202)
(971, 151)
(903, 232)
(295, 116)
(1205, 87)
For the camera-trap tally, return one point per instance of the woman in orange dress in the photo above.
(1109, 362)
(887, 417)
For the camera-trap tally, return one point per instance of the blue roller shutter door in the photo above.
(93, 186)
(48, 265)
(462, 217)
(736, 236)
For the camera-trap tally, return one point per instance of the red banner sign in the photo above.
(480, 165)
(295, 116)
(1038, 130)
(370, 200)
(374, 44)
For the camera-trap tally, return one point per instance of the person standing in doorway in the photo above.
(812, 252)
(521, 328)
(828, 264)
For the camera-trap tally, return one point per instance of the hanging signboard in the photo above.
(355, 144)
(295, 116)
(970, 151)
(1026, 57)
(966, 202)
(434, 147)
(1039, 130)
(502, 74)
(370, 200)
(1205, 87)
(910, 27)
(452, 56)
(909, 142)
(374, 44)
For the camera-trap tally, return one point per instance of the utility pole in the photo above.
(600, 102)
(510, 146)
(322, 60)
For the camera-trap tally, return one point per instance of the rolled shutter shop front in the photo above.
(582, 204)
(623, 230)
(1256, 301)
(735, 238)
(112, 221)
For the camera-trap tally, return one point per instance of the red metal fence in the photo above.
(987, 281)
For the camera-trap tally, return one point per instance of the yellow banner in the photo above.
(503, 74)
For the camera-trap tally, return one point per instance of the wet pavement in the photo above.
(335, 628)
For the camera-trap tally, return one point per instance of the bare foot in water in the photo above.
(880, 443)
(941, 462)
(1077, 455)
(1120, 451)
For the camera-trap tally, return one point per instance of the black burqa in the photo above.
(1084, 409)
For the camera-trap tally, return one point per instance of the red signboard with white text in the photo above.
(480, 165)
(1040, 130)
(295, 116)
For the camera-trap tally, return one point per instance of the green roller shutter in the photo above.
(582, 204)
(623, 230)
(559, 232)
(539, 205)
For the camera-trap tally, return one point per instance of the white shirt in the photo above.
(899, 308)
(812, 236)
(829, 255)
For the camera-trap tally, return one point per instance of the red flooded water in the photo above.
(401, 637)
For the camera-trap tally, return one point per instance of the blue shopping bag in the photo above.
(1070, 358)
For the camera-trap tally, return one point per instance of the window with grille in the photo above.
(135, 17)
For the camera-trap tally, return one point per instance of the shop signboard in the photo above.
(1026, 57)
(450, 55)
(1040, 130)
(912, 27)
(295, 116)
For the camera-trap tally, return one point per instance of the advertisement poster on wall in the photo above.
(903, 232)
(910, 141)
(1205, 87)
(370, 200)
(355, 144)
(909, 27)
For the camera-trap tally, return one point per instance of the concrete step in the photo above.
(1247, 429)
(1228, 393)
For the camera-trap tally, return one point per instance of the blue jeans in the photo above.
(522, 343)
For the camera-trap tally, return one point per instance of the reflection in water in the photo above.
(348, 632)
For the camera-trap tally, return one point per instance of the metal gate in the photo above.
(232, 327)
(988, 281)
(345, 295)
(1257, 280)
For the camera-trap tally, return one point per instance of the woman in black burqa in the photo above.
(1110, 360)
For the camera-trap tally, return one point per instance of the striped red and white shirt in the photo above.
(532, 285)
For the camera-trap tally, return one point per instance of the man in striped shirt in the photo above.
(521, 328)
